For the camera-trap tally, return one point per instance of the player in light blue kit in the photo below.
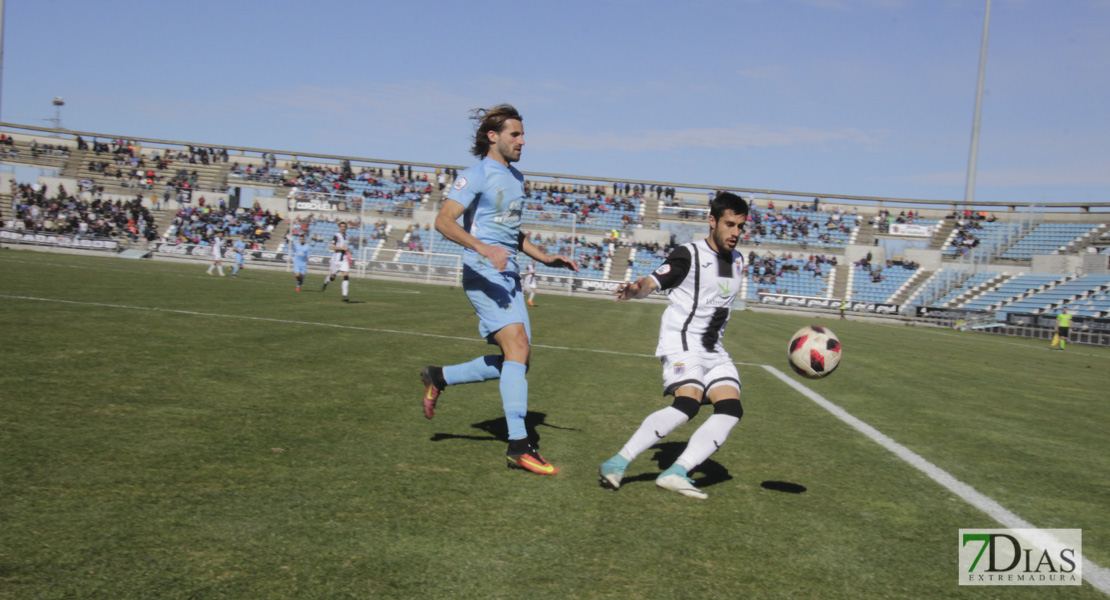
(240, 246)
(490, 197)
(301, 251)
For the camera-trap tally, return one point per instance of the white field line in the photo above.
(1094, 574)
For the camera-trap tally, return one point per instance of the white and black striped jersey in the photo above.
(339, 241)
(701, 285)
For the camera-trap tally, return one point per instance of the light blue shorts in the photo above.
(498, 301)
(299, 266)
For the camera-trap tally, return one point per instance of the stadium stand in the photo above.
(1065, 293)
(970, 283)
(991, 236)
(801, 228)
(802, 275)
(1047, 238)
(1010, 291)
(121, 175)
(872, 284)
(591, 212)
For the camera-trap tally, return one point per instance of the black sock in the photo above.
(519, 446)
(437, 378)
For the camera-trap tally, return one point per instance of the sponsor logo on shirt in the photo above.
(663, 270)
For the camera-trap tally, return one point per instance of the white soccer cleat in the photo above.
(680, 484)
(611, 472)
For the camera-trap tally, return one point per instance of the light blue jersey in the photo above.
(240, 249)
(493, 196)
(301, 252)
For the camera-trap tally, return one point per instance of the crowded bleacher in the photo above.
(912, 257)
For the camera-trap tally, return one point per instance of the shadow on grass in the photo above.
(498, 430)
(708, 473)
(783, 486)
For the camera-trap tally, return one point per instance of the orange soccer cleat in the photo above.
(431, 392)
(530, 460)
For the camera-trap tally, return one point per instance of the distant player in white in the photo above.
(217, 254)
(340, 259)
(528, 278)
(702, 279)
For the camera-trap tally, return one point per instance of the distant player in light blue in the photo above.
(301, 251)
(490, 197)
(240, 247)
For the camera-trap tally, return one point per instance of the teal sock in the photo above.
(618, 461)
(514, 398)
(482, 368)
(675, 469)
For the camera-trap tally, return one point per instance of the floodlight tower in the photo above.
(58, 104)
(973, 160)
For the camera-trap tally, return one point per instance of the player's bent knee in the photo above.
(689, 406)
(730, 407)
(345, 277)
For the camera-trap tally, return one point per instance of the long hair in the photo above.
(490, 119)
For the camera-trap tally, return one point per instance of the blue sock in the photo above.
(235, 270)
(514, 398)
(482, 368)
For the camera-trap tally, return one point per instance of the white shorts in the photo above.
(704, 369)
(339, 266)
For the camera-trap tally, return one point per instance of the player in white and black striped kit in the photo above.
(340, 259)
(702, 279)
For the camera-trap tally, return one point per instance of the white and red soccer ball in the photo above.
(814, 351)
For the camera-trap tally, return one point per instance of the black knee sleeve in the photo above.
(346, 277)
(687, 405)
(730, 407)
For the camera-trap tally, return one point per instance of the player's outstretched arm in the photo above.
(556, 260)
(636, 290)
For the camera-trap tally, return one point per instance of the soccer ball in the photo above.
(814, 351)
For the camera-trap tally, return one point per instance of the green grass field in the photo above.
(164, 434)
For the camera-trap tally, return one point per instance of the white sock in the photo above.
(654, 428)
(210, 267)
(345, 282)
(706, 440)
(220, 269)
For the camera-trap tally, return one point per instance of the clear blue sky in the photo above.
(855, 97)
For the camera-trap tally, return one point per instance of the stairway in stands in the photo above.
(619, 263)
(840, 288)
(941, 234)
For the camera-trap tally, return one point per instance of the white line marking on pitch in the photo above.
(1094, 574)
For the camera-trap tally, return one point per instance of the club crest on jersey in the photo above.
(679, 368)
(663, 270)
(461, 183)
